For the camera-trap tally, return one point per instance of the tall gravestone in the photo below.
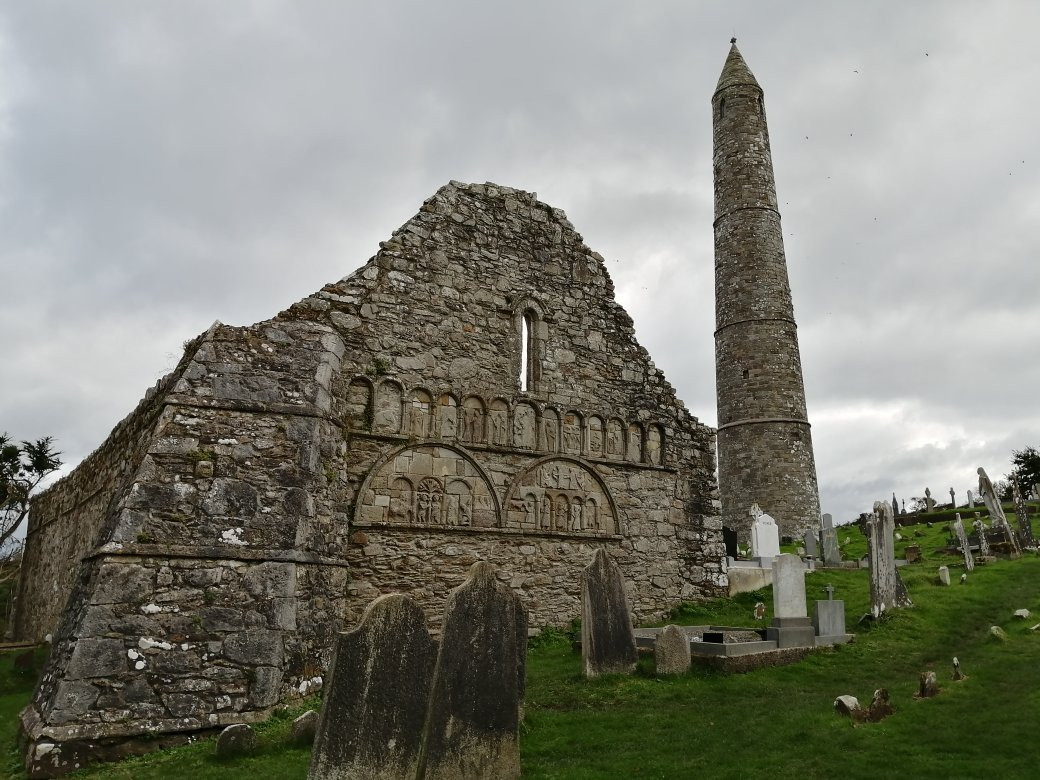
(809, 540)
(765, 535)
(962, 540)
(374, 709)
(971, 499)
(980, 529)
(474, 711)
(608, 645)
(829, 542)
(996, 511)
(887, 590)
(1025, 526)
(953, 499)
(791, 626)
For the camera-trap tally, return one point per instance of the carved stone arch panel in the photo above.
(428, 485)
(561, 494)
(358, 413)
(615, 443)
(388, 407)
(596, 436)
(634, 447)
(573, 427)
(525, 426)
(446, 422)
(472, 426)
(499, 431)
(551, 430)
(420, 416)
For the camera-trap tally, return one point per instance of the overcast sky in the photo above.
(164, 165)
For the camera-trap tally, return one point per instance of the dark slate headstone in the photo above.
(809, 540)
(608, 645)
(236, 740)
(374, 708)
(729, 538)
(478, 687)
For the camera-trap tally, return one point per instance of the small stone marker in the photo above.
(880, 706)
(928, 686)
(846, 705)
(608, 645)
(304, 728)
(962, 540)
(1025, 525)
(998, 633)
(944, 575)
(765, 535)
(760, 610)
(829, 619)
(913, 553)
(236, 740)
(957, 674)
(374, 707)
(672, 651)
(964, 578)
(472, 730)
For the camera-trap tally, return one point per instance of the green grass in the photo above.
(771, 722)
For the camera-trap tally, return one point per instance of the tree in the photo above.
(1026, 471)
(22, 468)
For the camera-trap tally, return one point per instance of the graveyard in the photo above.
(778, 721)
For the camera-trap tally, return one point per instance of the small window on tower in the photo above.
(722, 107)
(745, 373)
(761, 107)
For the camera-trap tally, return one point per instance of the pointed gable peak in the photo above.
(735, 71)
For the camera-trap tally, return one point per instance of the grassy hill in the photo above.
(771, 722)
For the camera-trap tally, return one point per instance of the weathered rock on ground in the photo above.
(846, 705)
(928, 685)
(304, 728)
(472, 729)
(236, 740)
(375, 703)
(608, 645)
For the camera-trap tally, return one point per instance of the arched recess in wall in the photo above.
(561, 494)
(634, 451)
(474, 416)
(529, 334)
(655, 444)
(388, 407)
(359, 402)
(550, 430)
(573, 428)
(446, 424)
(419, 420)
(428, 485)
(596, 434)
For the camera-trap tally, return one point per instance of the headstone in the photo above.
(1025, 526)
(962, 540)
(880, 706)
(953, 499)
(971, 499)
(928, 686)
(729, 538)
(887, 590)
(374, 708)
(608, 645)
(944, 575)
(1022, 613)
(964, 578)
(929, 502)
(791, 626)
(236, 740)
(472, 729)
(829, 542)
(304, 728)
(809, 540)
(980, 529)
(672, 651)
(765, 536)
(957, 673)
(846, 705)
(829, 616)
(913, 553)
(996, 511)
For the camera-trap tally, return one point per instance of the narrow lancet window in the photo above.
(525, 352)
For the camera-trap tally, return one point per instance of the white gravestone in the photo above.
(791, 626)
(765, 536)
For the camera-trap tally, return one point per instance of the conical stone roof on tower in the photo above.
(764, 442)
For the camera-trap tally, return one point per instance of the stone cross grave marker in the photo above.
(895, 505)
(608, 645)
(472, 729)
(929, 502)
(829, 542)
(374, 708)
(953, 498)
(887, 590)
(962, 540)
(765, 535)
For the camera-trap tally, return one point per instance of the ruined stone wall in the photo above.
(373, 438)
(764, 445)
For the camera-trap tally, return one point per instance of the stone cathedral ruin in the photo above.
(473, 392)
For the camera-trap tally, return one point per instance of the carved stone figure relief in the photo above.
(550, 431)
(654, 445)
(428, 485)
(561, 495)
(473, 420)
(447, 417)
(387, 417)
(524, 429)
(572, 433)
(635, 443)
(420, 413)
(595, 437)
(615, 440)
(499, 423)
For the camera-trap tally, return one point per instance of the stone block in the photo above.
(608, 645)
(256, 647)
(97, 658)
(375, 700)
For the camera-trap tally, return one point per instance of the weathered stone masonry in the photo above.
(373, 438)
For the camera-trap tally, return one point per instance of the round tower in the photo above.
(764, 442)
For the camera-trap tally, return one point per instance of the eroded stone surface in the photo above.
(608, 645)
(374, 706)
(672, 651)
(479, 683)
(236, 740)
